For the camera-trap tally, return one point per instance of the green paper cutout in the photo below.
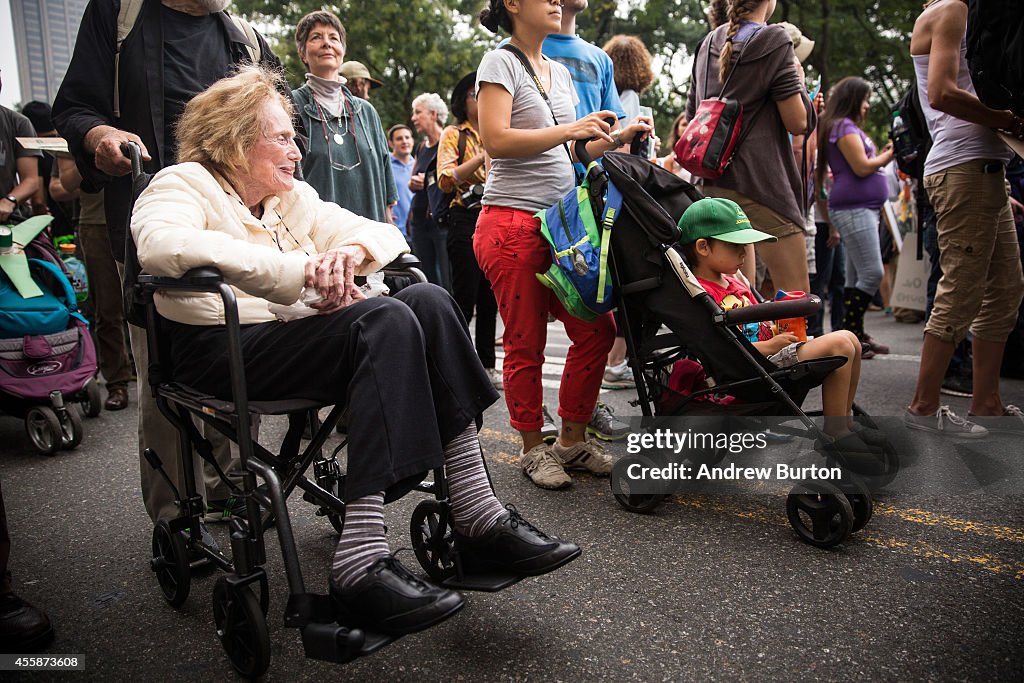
(26, 231)
(15, 266)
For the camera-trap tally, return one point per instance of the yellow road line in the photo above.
(966, 526)
(918, 548)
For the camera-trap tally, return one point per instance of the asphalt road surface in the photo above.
(704, 588)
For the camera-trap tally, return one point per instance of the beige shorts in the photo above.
(786, 356)
(761, 217)
(982, 284)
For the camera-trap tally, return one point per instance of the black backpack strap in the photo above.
(463, 136)
(543, 93)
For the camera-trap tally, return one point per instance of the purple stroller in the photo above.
(47, 357)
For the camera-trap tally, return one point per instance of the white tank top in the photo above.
(955, 141)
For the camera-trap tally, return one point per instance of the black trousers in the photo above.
(470, 287)
(404, 365)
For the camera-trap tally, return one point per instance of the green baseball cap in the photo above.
(720, 218)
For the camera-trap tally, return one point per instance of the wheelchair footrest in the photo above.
(485, 583)
(323, 638)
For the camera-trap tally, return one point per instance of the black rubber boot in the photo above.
(856, 303)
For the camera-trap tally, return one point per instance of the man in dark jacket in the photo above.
(174, 50)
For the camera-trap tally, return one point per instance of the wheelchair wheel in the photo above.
(71, 430)
(434, 550)
(819, 513)
(92, 404)
(860, 500)
(43, 429)
(170, 562)
(242, 628)
(634, 502)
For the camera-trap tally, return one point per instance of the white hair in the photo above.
(432, 102)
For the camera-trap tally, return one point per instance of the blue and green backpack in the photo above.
(579, 274)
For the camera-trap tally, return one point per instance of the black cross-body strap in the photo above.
(540, 88)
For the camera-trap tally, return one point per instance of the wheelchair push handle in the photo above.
(134, 154)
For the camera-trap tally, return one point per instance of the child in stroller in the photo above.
(714, 235)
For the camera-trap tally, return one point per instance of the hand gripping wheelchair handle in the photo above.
(139, 176)
(773, 310)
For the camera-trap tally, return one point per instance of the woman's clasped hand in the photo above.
(332, 275)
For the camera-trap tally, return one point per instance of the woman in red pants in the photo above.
(525, 132)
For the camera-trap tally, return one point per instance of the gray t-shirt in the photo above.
(529, 183)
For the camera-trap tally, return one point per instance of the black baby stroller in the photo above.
(47, 357)
(668, 316)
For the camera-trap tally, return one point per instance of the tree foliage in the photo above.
(417, 46)
(413, 46)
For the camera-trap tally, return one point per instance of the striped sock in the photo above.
(362, 540)
(474, 506)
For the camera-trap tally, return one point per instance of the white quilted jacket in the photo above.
(189, 217)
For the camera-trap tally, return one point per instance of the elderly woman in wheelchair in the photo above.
(404, 365)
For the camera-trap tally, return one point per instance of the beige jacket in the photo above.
(189, 217)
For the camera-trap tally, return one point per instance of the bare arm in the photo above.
(793, 111)
(502, 141)
(852, 149)
(28, 185)
(944, 67)
(65, 187)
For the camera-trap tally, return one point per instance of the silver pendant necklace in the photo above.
(338, 139)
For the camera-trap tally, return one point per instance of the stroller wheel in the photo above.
(819, 513)
(860, 500)
(170, 562)
(242, 628)
(433, 540)
(43, 429)
(70, 429)
(92, 404)
(633, 501)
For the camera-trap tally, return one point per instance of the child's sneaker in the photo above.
(946, 422)
(543, 468)
(585, 455)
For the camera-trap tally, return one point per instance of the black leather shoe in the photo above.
(23, 628)
(514, 545)
(390, 599)
(117, 398)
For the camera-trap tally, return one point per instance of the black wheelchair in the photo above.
(241, 596)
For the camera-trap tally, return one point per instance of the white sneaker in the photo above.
(494, 375)
(945, 422)
(618, 377)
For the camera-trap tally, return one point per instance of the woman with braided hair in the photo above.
(718, 13)
(763, 178)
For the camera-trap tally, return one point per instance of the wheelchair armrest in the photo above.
(402, 262)
(773, 310)
(203, 279)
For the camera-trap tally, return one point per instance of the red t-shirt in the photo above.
(737, 295)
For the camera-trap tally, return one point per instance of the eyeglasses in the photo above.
(338, 137)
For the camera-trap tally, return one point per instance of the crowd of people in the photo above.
(292, 189)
